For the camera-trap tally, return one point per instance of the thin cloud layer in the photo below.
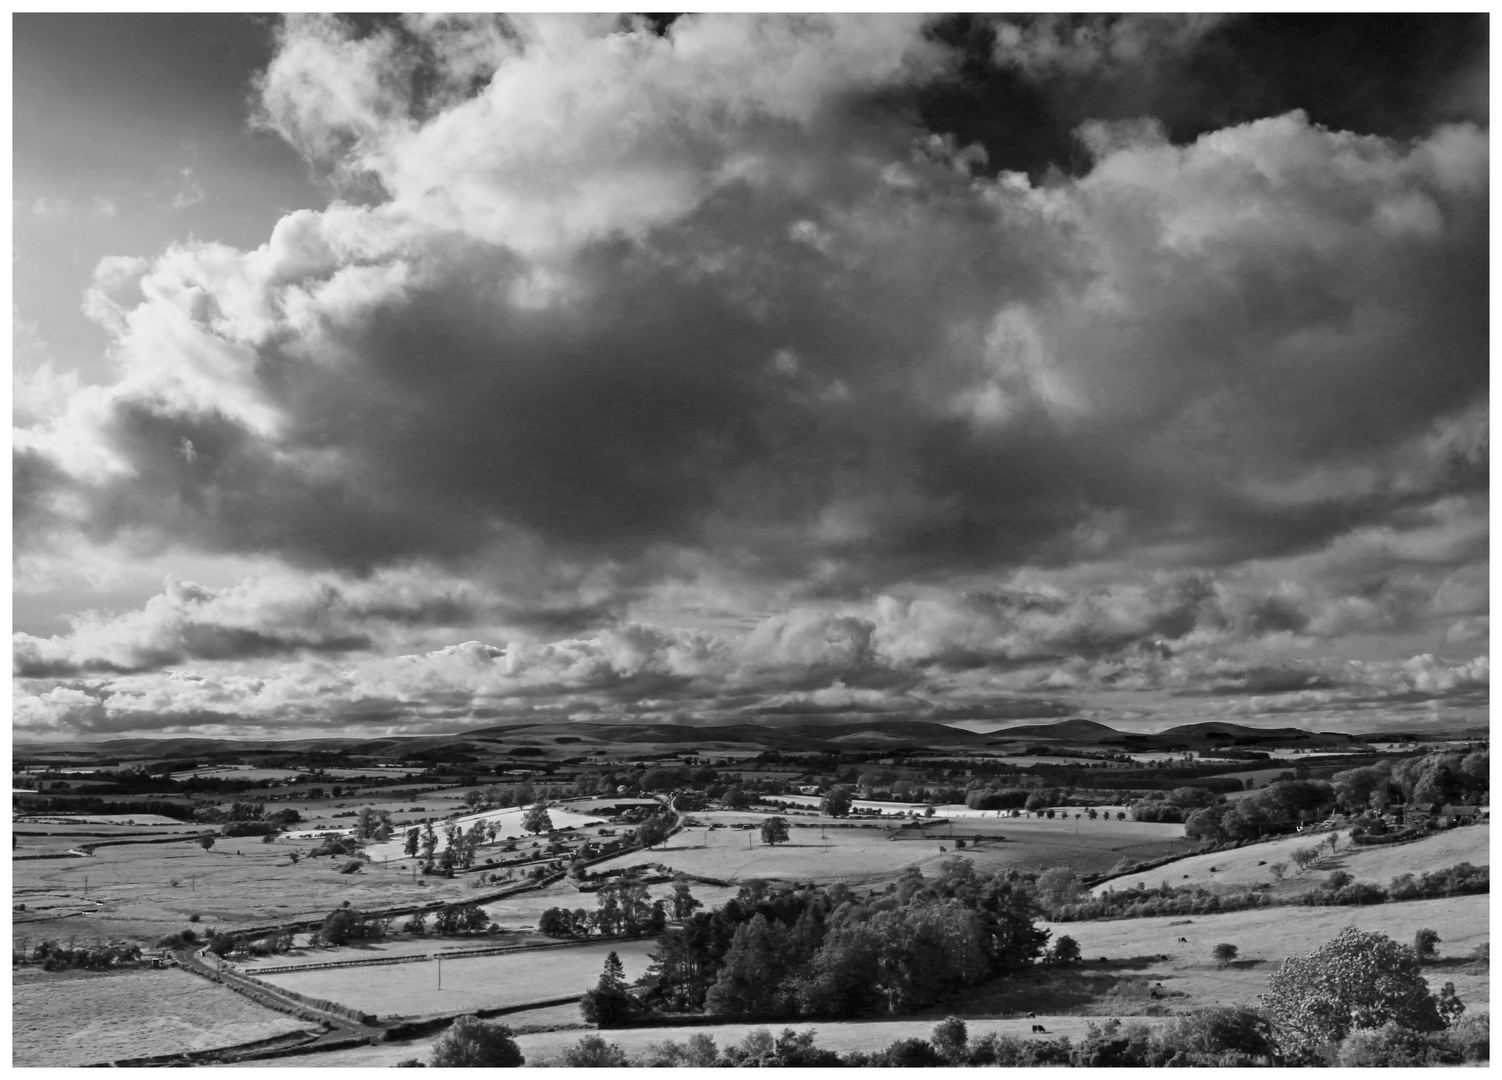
(605, 316)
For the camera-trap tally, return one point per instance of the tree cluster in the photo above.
(827, 952)
(54, 956)
(1337, 891)
(1279, 808)
(623, 908)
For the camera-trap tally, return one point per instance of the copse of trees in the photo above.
(623, 908)
(824, 952)
(1276, 809)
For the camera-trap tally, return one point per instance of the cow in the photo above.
(1183, 941)
(1039, 1029)
(1032, 1016)
(942, 849)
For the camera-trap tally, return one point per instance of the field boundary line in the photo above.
(495, 950)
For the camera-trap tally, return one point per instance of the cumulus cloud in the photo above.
(603, 313)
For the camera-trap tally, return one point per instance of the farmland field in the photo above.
(77, 1018)
(240, 882)
(546, 1047)
(1268, 935)
(470, 983)
(869, 855)
(1244, 866)
(508, 822)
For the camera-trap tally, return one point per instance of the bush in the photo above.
(911, 1054)
(1392, 1046)
(472, 1043)
(1471, 1036)
(593, 1052)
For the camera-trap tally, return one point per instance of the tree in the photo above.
(1425, 944)
(373, 824)
(414, 835)
(684, 903)
(836, 801)
(1279, 870)
(473, 1043)
(774, 830)
(1057, 887)
(949, 1038)
(429, 842)
(610, 1001)
(654, 830)
(735, 798)
(593, 1052)
(1224, 953)
(206, 841)
(1338, 880)
(1066, 951)
(536, 819)
(1304, 857)
(1360, 979)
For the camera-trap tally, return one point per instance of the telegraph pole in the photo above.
(440, 973)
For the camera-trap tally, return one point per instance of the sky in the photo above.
(406, 375)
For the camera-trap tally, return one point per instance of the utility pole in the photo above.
(440, 973)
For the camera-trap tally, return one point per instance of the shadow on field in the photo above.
(1130, 963)
(1075, 990)
(1244, 965)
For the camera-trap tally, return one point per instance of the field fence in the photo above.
(495, 950)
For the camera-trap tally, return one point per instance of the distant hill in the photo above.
(1200, 736)
(789, 734)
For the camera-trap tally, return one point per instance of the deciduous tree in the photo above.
(774, 830)
(1361, 979)
(473, 1043)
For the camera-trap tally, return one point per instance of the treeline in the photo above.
(54, 956)
(1369, 791)
(1223, 1037)
(82, 804)
(1337, 891)
(622, 909)
(827, 952)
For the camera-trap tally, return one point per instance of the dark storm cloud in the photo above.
(1395, 75)
(733, 303)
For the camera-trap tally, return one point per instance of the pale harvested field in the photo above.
(385, 1055)
(240, 882)
(1242, 866)
(867, 855)
(78, 1018)
(1267, 936)
(411, 990)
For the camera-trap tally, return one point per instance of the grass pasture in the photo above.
(239, 882)
(1267, 936)
(411, 990)
(82, 1018)
(869, 855)
(1242, 867)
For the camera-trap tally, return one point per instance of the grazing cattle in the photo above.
(1183, 941)
(1031, 1015)
(1039, 1029)
(942, 848)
